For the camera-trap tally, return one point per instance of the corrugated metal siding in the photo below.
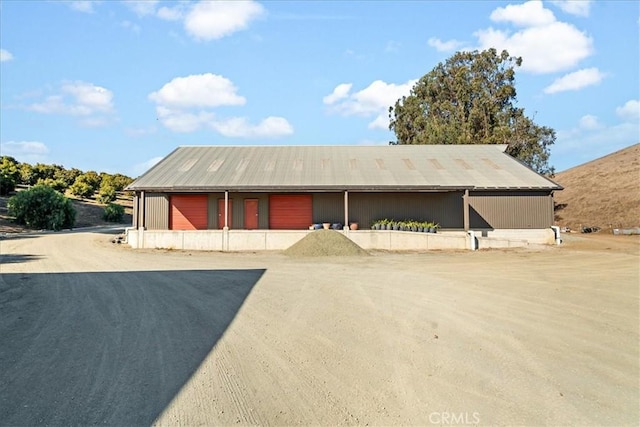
(212, 205)
(510, 210)
(188, 212)
(237, 211)
(328, 207)
(443, 208)
(290, 211)
(238, 206)
(156, 211)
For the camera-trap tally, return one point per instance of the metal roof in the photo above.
(328, 168)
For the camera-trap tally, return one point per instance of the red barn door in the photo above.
(188, 212)
(290, 211)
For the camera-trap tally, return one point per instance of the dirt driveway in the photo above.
(95, 333)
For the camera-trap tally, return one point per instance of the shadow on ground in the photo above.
(17, 258)
(108, 348)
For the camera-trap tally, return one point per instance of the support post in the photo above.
(226, 209)
(346, 209)
(225, 229)
(141, 222)
(465, 203)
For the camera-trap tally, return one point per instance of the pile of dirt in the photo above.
(325, 243)
(601, 193)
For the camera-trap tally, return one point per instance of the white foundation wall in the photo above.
(544, 236)
(260, 240)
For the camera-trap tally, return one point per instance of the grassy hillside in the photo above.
(604, 192)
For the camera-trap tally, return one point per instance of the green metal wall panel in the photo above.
(443, 208)
(328, 207)
(156, 211)
(496, 210)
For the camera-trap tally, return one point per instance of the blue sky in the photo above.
(116, 85)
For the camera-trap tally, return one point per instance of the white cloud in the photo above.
(23, 148)
(25, 151)
(576, 80)
(142, 7)
(574, 7)
(544, 49)
(90, 96)
(171, 13)
(200, 90)
(210, 20)
(85, 6)
(184, 105)
(341, 91)
(380, 122)
(239, 127)
(444, 46)
(77, 99)
(141, 168)
(5, 55)
(630, 110)
(528, 14)
(372, 101)
(591, 138)
(183, 121)
(589, 122)
(545, 44)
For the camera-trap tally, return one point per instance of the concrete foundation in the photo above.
(261, 240)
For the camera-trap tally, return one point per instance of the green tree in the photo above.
(67, 176)
(86, 185)
(56, 184)
(470, 99)
(92, 178)
(41, 207)
(27, 174)
(107, 192)
(81, 188)
(120, 181)
(43, 171)
(9, 174)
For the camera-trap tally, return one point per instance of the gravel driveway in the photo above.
(96, 333)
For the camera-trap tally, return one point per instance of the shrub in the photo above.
(113, 212)
(42, 207)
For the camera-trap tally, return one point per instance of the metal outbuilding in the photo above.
(460, 187)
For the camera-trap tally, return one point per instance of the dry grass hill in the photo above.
(604, 192)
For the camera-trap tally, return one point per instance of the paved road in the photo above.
(103, 347)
